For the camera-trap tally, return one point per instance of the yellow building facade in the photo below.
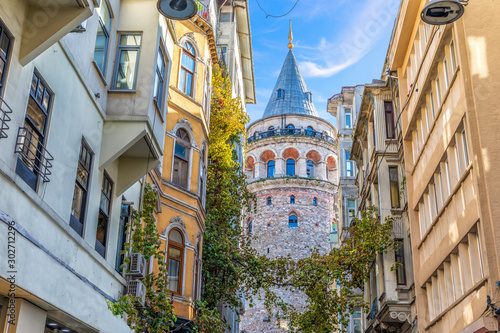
(180, 180)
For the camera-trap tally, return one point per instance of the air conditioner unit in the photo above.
(137, 289)
(137, 265)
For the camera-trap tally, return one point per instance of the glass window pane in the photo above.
(39, 92)
(46, 100)
(82, 175)
(181, 151)
(126, 70)
(36, 115)
(173, 275)
(100, 50)
(130, 40)
(176, 236)
(188, 62)
(174, 253)
(189, 80)
(78, 199)
(5, 42)
(102, 225)
(105, 15)
(2, 66)
(182, 79)
(34, 84)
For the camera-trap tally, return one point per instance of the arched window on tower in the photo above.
(291, 129)
(270, 169)
(269, 201)
(281, 93)
(250, 227)
(292, 221)
(309, 131)
(290, 167)
(292, 199)
(315, 201)
(175, 256)
(310, 169)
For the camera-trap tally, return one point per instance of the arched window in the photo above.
(290, 126)
(290, 167)
(250, 226)
(270, 169)
(270, 128)
(292, 221)
(309, 131)
(315, 201)
(175, 256)
(310, 169)
(291, 129)
(181, 158)
(269, 200)
(292, 199)
(281, 93)
(186, 77)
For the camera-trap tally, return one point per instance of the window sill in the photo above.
(191, 98)
(133, 91)
(101, 75)
(158, 109)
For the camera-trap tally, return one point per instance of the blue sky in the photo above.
(337, 43)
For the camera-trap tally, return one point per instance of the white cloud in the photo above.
(329, 57)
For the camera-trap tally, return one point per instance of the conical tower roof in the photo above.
(290, 94)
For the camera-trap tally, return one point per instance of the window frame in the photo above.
(107, 35)
(107, 215)
(348, 118)
(289, 164)
(394, 204)
(177, 176)
(269, 201)
(78, 224)
(177, 246)
(160, 88)
(389, 127)
(310, 168)
(271, 165)
(280, 94)
(185, 71)
(293, 221)
(349, 210)
(119, 49)
(5, 57)
(349, 170)
(315, 201)
(292, 199)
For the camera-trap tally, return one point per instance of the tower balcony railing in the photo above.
(5, 110)
(203, 10)
(290, 132)
(33, 153)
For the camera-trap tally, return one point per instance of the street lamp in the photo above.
(177, 9)
(439, 12)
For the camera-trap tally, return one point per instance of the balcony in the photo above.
(5, 110)
(204, 21)
(290, 132)
(34, 155)
(398, 227)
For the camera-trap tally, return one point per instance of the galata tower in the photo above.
(291, 165)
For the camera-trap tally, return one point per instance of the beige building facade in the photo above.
(447, 78)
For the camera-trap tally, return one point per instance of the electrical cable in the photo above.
(276, 16)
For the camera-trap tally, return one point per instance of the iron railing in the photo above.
(5, 110)
(398, 227)
(203, 11)
(290, 131)
(33, 153)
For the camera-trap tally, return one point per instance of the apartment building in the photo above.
(380, 181)
(447, 76)
(83, 87)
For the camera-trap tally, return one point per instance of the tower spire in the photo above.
(290, 37)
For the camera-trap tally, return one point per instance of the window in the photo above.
(5, 46)
(292, 221)
(400, 260)
(187, 68)
(31, 160)
(269, 201)
(448, 176)
(175, 256)
(438, 93)
(208, 93)
(432, 106)
(446, 77)
(81, 188)
(292, 199)
(122, 235)
(290, 128)
(309, 96)
(271, 128)
(203, 172)
(453, 58)
(310, 168)
(270, 169)
(348, 120)
(127, 65)
(181, 158)
(281, 93)
(393, 179)
(290, 167)
(315, 201)
(356, 321)
(104, 212)
(466, 151)
(309, 131)
(102, 39)
(249, 227)
(389, 120)
(159, 79)
(349, 166)
(351, 211)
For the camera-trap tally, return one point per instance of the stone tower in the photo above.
(291, 166)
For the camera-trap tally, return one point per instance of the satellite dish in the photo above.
(177, 9)
(439, 12)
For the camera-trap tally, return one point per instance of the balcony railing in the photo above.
(5, 110)
(290, 131)
(203, 11)
(398, 227)
(33, 153)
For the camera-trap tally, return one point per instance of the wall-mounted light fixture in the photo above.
(439, 12)
(177, 9)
